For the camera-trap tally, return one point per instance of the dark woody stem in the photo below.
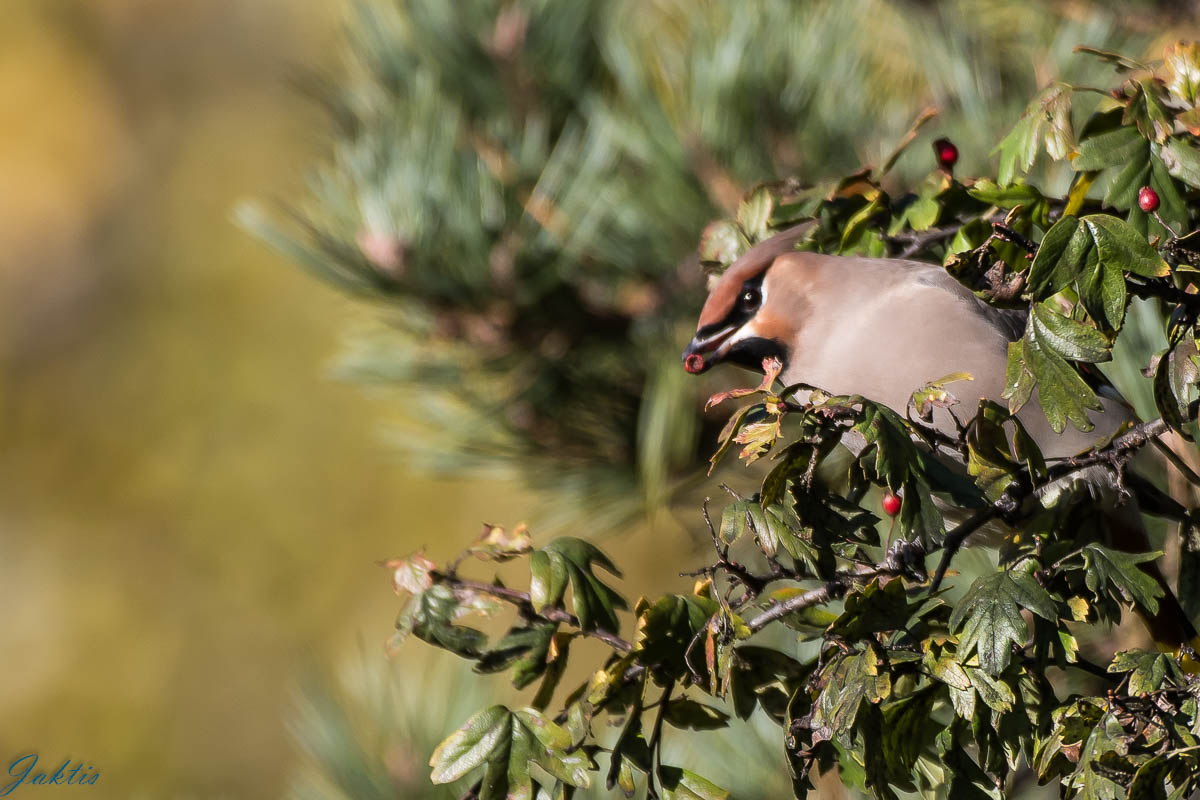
(523, 602)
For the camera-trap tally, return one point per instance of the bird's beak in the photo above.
(704, 351)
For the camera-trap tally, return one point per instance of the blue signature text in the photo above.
(22, 772)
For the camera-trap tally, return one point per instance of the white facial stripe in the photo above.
(747, 331)
(719, 336)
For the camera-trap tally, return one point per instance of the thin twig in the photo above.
(1165, 291)
(919, 240)
(955, 538)
(899, 561)
(1009, 235)
(1176, 461)
(814, 597)
(656, 740)
(1124, 444)
(523, 601)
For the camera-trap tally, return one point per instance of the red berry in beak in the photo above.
(947, 154)
(1147, 199)
(694, 363)
(891, 504)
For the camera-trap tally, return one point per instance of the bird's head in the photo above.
(752, 310)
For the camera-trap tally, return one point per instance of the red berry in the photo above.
(694, 363)
(947, 154)
(1147, 199)
(891, 504)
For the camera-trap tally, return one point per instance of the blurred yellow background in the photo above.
(189, 511)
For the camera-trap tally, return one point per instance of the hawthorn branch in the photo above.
(814, 597)
(1115, 452)
(900, 557)
(524, 604)
(1007, 234)
(954, 541)
(899, 561)
(1166, 291)
(919, 240)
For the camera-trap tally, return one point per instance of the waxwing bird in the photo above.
(883, 328)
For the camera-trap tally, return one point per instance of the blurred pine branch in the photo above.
(519, 186)
(365, 732)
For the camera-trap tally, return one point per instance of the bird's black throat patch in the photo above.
(749, 353)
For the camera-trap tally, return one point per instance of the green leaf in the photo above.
(734, 521)
(935, 395)
(754, 213)
(966, 780)
(1148, 671)
(682, 784)
(1046, 122)
(1110, 149)
(906, 731)
(994, 457)
(891, 457)
(1138, 162)
(1105, 566)
(1146, 110)
(1060, 257)
(1121, 63)
(548, 580)
(1094, 253)
(761, 674)
(849, 682)
(430, 617)
(505, 743)
(990, 615)
(925, 208)
(1172, 209)
(1182, 64)
(731, 429)
(1182, 161)
(524, 648)
(871, 610)
(945, 667)
(667, 628)
(568, 558)
(1063, 395)
(1123, 246)
(471, 745)
(995, 693)
(1017, 194)
(1096, 781)
(1177, 373)
(1066, 337)
(721, 243)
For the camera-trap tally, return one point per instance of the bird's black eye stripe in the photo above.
(749, 299)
